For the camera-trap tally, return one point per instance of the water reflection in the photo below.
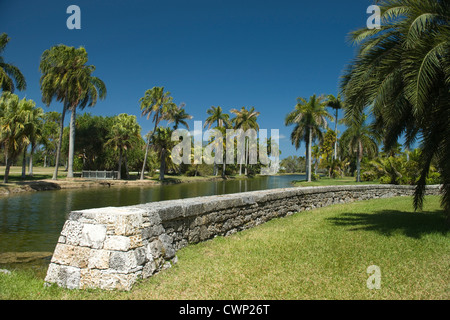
(33, 221)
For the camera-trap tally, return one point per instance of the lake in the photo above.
(32, 222)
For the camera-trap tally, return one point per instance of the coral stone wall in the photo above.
(111, 248)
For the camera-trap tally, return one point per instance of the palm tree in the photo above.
(9, 72)
(124, 133)
(162, 143)
(222, 120)
(245, 120)
(216, 115)
(178, 115)
(361, 139)
(402, 70)
(49, 137)
(14, 127)
(66, 78)
(335, 103)
(33, 130)
(309, 117)
(155, 102)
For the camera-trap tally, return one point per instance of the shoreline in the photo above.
(13, 188)
(18, 187)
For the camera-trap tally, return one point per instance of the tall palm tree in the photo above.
(361, 139)
(162, 144)
(309, 117)
(49, 137)
(402, 70)
(155, 102)
(34, 132)
(9, 72)
(216, 115)
(245, 119)
(66, 78)
(178, 115)
(337, 104)
(14, 127)
(124, 133)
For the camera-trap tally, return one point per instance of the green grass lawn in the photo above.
(318, 254)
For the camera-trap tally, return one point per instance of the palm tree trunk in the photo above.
(145, 159)
(245, 157)
(58, 148)
(126, 165)
(358, 163)
(71, 142)
(24, 162)
(335, 130)
(162, 167)
(223, 169)
(30, 167)
(119, 173)
(8, 166)
(308, 160)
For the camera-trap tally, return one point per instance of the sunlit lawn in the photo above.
(318, 254)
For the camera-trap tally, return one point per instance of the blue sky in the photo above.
(206, 53)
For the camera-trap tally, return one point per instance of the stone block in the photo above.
(71, 255)
(93, 236)
(64, 276)
(117, 243)
(123, 262)
(99, 259)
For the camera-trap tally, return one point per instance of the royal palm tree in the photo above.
(178, 115)
(14, 127)
(158, 103)
(361, 139)
(34, 133)
(162, 144)
(123, 135)
(216, 115)
(8, 72)
(222, 120)
(49, 137)
(245, 119)
(309, 117)
(337, 104)
(66, 78)
(402, 70)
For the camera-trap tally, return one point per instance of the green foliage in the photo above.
(402, 71)
(398, 169)
(20, 123)
(293, 164)
(8, 72)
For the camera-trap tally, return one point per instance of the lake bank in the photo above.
(80, 183)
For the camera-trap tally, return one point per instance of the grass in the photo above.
(319, 254)
(325, 181)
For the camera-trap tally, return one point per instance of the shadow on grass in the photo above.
(389, 222)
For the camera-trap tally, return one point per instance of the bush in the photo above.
(368, 176)
(434, 178)
(385, 180)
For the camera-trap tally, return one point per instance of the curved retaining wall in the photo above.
(111, 248)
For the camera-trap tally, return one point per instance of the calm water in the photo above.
(32, 222)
